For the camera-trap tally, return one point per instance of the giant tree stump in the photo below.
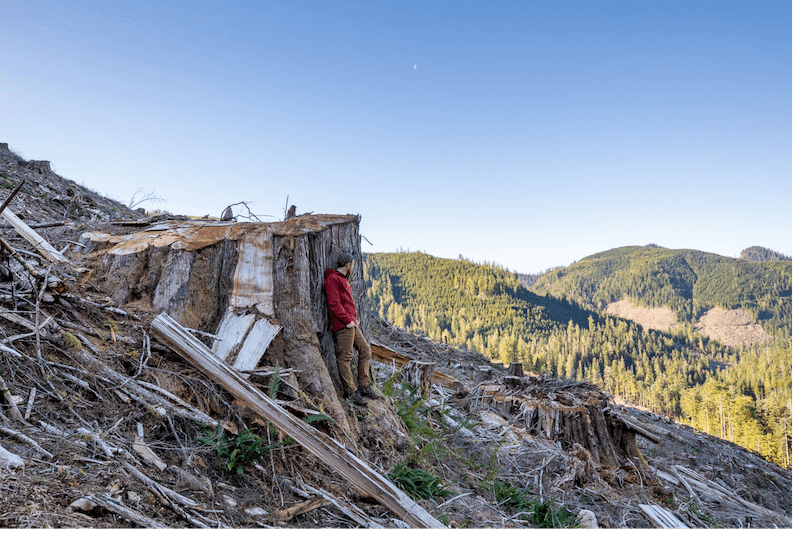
(259, 286)
(567, 412)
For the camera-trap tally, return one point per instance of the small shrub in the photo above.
(549, 515)
(234, 454)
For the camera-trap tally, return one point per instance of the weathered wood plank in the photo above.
(321, 445)
(31, 236)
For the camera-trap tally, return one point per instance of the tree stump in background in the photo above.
(419, 375)
(485, 372)
(515, 369)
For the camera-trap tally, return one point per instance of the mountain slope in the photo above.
(467, 302)
(689, 282)
(762, 254)
(679, 373)
(110, 435)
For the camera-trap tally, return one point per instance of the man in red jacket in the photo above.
(345, 328)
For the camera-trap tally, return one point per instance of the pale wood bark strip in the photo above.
(300, 508)
(147, 454)
(660, 517)
(253, 277)
(232, 330)
(113, 505)
(255, 344)
(321, 445)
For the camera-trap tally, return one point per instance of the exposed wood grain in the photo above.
(232, 330)
(255, 344)
(253, 278)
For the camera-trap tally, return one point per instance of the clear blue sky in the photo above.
(529, 133)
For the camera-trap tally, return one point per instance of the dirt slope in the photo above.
(652, 318)
(731, 327)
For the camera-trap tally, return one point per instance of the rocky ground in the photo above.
(101, 426)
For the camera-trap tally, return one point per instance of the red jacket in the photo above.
(341, 307)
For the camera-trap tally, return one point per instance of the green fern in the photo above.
(418, 483)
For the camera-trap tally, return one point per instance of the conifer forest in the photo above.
(557, 327)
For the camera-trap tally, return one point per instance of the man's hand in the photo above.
(351, 324)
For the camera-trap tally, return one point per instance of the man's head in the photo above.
(344, 263)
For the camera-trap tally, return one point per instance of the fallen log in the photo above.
(25, 439)
(321, 445)
(660, 517)
(386, 355)
(350, 510)
(9, 460)
(31, 236)
(635, 427)
(112, 505)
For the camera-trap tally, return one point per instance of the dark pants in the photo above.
(346, 339)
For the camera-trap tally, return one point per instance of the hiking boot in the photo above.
(368, 392)
(358, 399)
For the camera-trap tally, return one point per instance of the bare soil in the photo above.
(731, 327)
(651, 318)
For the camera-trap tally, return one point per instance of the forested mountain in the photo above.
(741, 394)
(689, 282)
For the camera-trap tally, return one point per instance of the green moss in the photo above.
(71, 341)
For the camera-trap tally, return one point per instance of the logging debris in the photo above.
(93, 409)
